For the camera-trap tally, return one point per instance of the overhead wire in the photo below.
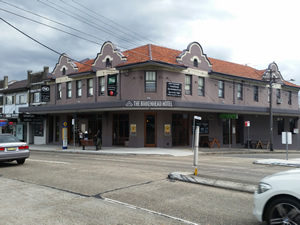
(88, 22)
(116, 25)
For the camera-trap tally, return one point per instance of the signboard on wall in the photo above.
(149, 103)
(133, 129)
(45, 93)
(174, 89)
(167, 129)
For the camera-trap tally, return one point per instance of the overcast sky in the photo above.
(252, 32)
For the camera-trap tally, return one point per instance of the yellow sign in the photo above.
(65, 124)
(133, 129)
(167, 129)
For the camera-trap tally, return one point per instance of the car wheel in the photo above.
(20, 161)
(284, 210)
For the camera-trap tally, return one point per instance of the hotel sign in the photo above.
(149, 104)
(174, 89)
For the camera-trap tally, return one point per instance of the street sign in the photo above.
(286, 138)
(228, 116)
(197, 117)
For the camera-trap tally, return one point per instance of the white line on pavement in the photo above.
(148, 211)
(46, 161)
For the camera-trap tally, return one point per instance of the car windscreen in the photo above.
(8, 139)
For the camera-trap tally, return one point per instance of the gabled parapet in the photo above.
(193, 57)
(108, 57)
(64, 66)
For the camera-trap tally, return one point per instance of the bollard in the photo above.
(196, 146)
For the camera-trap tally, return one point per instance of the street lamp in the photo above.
(271, 74)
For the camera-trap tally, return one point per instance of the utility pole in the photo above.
(271, 110)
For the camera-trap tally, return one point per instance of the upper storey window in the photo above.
(221, 89)
(108, 63)
(278, 96)
(78, 88)
(195, 63)
(201, 86)
(59, 91)
(188, 84)
(239, 93)
(69, 89)
(255, 93)
(90, 89)
(290, 98)
(150, 81)
(101, 85)
(64, 71)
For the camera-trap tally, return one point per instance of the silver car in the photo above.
(11, 148)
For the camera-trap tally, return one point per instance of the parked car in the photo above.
(11, 148)
(277, 198)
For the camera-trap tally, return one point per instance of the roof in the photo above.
(85, 65)
(16, 86)
(156, 53)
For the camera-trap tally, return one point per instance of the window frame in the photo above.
(239, 91)
(101, 82)
(188, 86)
(36, 99)
(255, 93)
(201, 87)
(90, 87)
(221, 89)
(59, 91)
(151, 89)
(69, 89)
(290, 97)
(78, 89)
(195, 63)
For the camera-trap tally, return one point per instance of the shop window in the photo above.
(201, 86)
(150, 81)
(78, 88)
(290, 97)
(90, 87)
(188, 84)
(221, 89)
(101, 86)
(38, 129)
(280, 125)
(239, 93)
(59, 93)
(69, 89)
(255, 93)
(293, 124)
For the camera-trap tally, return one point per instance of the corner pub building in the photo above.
(149, 95)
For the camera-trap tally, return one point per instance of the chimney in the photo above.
(29, 72)
(45, 73)
(5, 85)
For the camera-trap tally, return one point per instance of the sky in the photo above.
(250, 32)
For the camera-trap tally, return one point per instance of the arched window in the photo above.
(108, 62)
(64, 71)
(195, 63)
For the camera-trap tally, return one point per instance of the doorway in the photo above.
(120, 129)
(180, 129)
(150, 130)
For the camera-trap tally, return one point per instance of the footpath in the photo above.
(231, 184)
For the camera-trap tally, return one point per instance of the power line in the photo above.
(116, 25)
(107, 24)
(86, 21)
(53, 21)
(55, 28)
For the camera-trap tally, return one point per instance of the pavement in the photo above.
(231, 184)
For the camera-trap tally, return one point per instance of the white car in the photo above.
(11, 148)
(277, 198)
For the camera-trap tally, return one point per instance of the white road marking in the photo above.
(148, 211)
(46, 161)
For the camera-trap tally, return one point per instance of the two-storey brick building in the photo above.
(148, 96)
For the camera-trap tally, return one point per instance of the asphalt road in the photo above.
(58, 188)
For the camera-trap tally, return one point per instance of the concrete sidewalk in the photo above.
(176, 151)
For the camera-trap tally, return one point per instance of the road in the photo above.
(59, 188)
